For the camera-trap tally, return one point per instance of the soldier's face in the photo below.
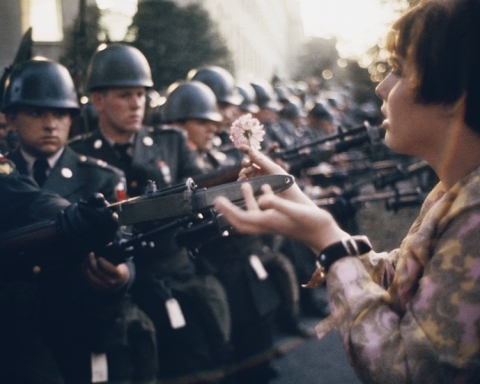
(121, 109)
(229, 113)
(41, 132)
(201, 132)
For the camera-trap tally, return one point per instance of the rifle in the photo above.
(24, 53)
(333, 144)
(184, 205)
(396, 198)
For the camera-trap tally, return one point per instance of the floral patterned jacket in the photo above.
(413, 315)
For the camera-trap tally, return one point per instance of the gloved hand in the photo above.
(87, 226)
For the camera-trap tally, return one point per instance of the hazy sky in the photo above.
(357, 24)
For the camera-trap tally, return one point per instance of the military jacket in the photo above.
(22, 202)
(77, 177)
(159, 154)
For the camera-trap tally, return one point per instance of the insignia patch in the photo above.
(120, 191)
(6, 166)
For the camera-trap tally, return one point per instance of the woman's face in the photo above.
(411, 128)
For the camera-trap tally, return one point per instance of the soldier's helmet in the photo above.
(41, 83)
(249, 97)
(292, 110)
(220, 81)
(283, 94)
(190, 100)
(318, 111)
(266, 97)
(118, 65)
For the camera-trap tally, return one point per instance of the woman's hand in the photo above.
(298, 219)
(258, 164)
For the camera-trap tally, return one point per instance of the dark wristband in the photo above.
(349, 246)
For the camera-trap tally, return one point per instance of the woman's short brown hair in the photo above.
(439, 41)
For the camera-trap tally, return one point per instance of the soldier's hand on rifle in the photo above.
(103, 275)
(87, 226)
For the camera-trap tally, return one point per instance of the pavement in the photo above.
(310, 360)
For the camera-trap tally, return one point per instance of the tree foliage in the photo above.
(319, 55)
(80, 43)
(176, 39)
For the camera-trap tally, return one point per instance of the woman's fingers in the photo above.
(250, 201)
(243, 221)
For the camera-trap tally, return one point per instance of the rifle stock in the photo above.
(35, 236)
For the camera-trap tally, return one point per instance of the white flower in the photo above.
(247, 130)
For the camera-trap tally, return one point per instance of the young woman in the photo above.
(411, 315)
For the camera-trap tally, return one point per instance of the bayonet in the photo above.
(24, 53)
(191, 201)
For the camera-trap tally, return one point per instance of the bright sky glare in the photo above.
(357, 24)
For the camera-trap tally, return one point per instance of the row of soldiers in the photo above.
(171, 313)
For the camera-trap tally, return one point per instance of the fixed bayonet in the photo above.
(192, 201)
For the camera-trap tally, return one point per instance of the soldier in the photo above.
(319, 120)
(24, 355)
(192, 107)
(166, 286)
(222, 83)
(276, 134)
(252, 297)
(41, 115)
(248, 104)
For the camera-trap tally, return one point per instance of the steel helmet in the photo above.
(266, 97)
(41, 83)
(319, 112)
(220, 81)
(292, 110)
(118, 65)
(190, 100)
(283, 94)
(248, 94)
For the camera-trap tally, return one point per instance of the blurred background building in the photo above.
(263, 37)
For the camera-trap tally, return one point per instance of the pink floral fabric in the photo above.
(413, 315)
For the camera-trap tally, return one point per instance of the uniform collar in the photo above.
(30, 160)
